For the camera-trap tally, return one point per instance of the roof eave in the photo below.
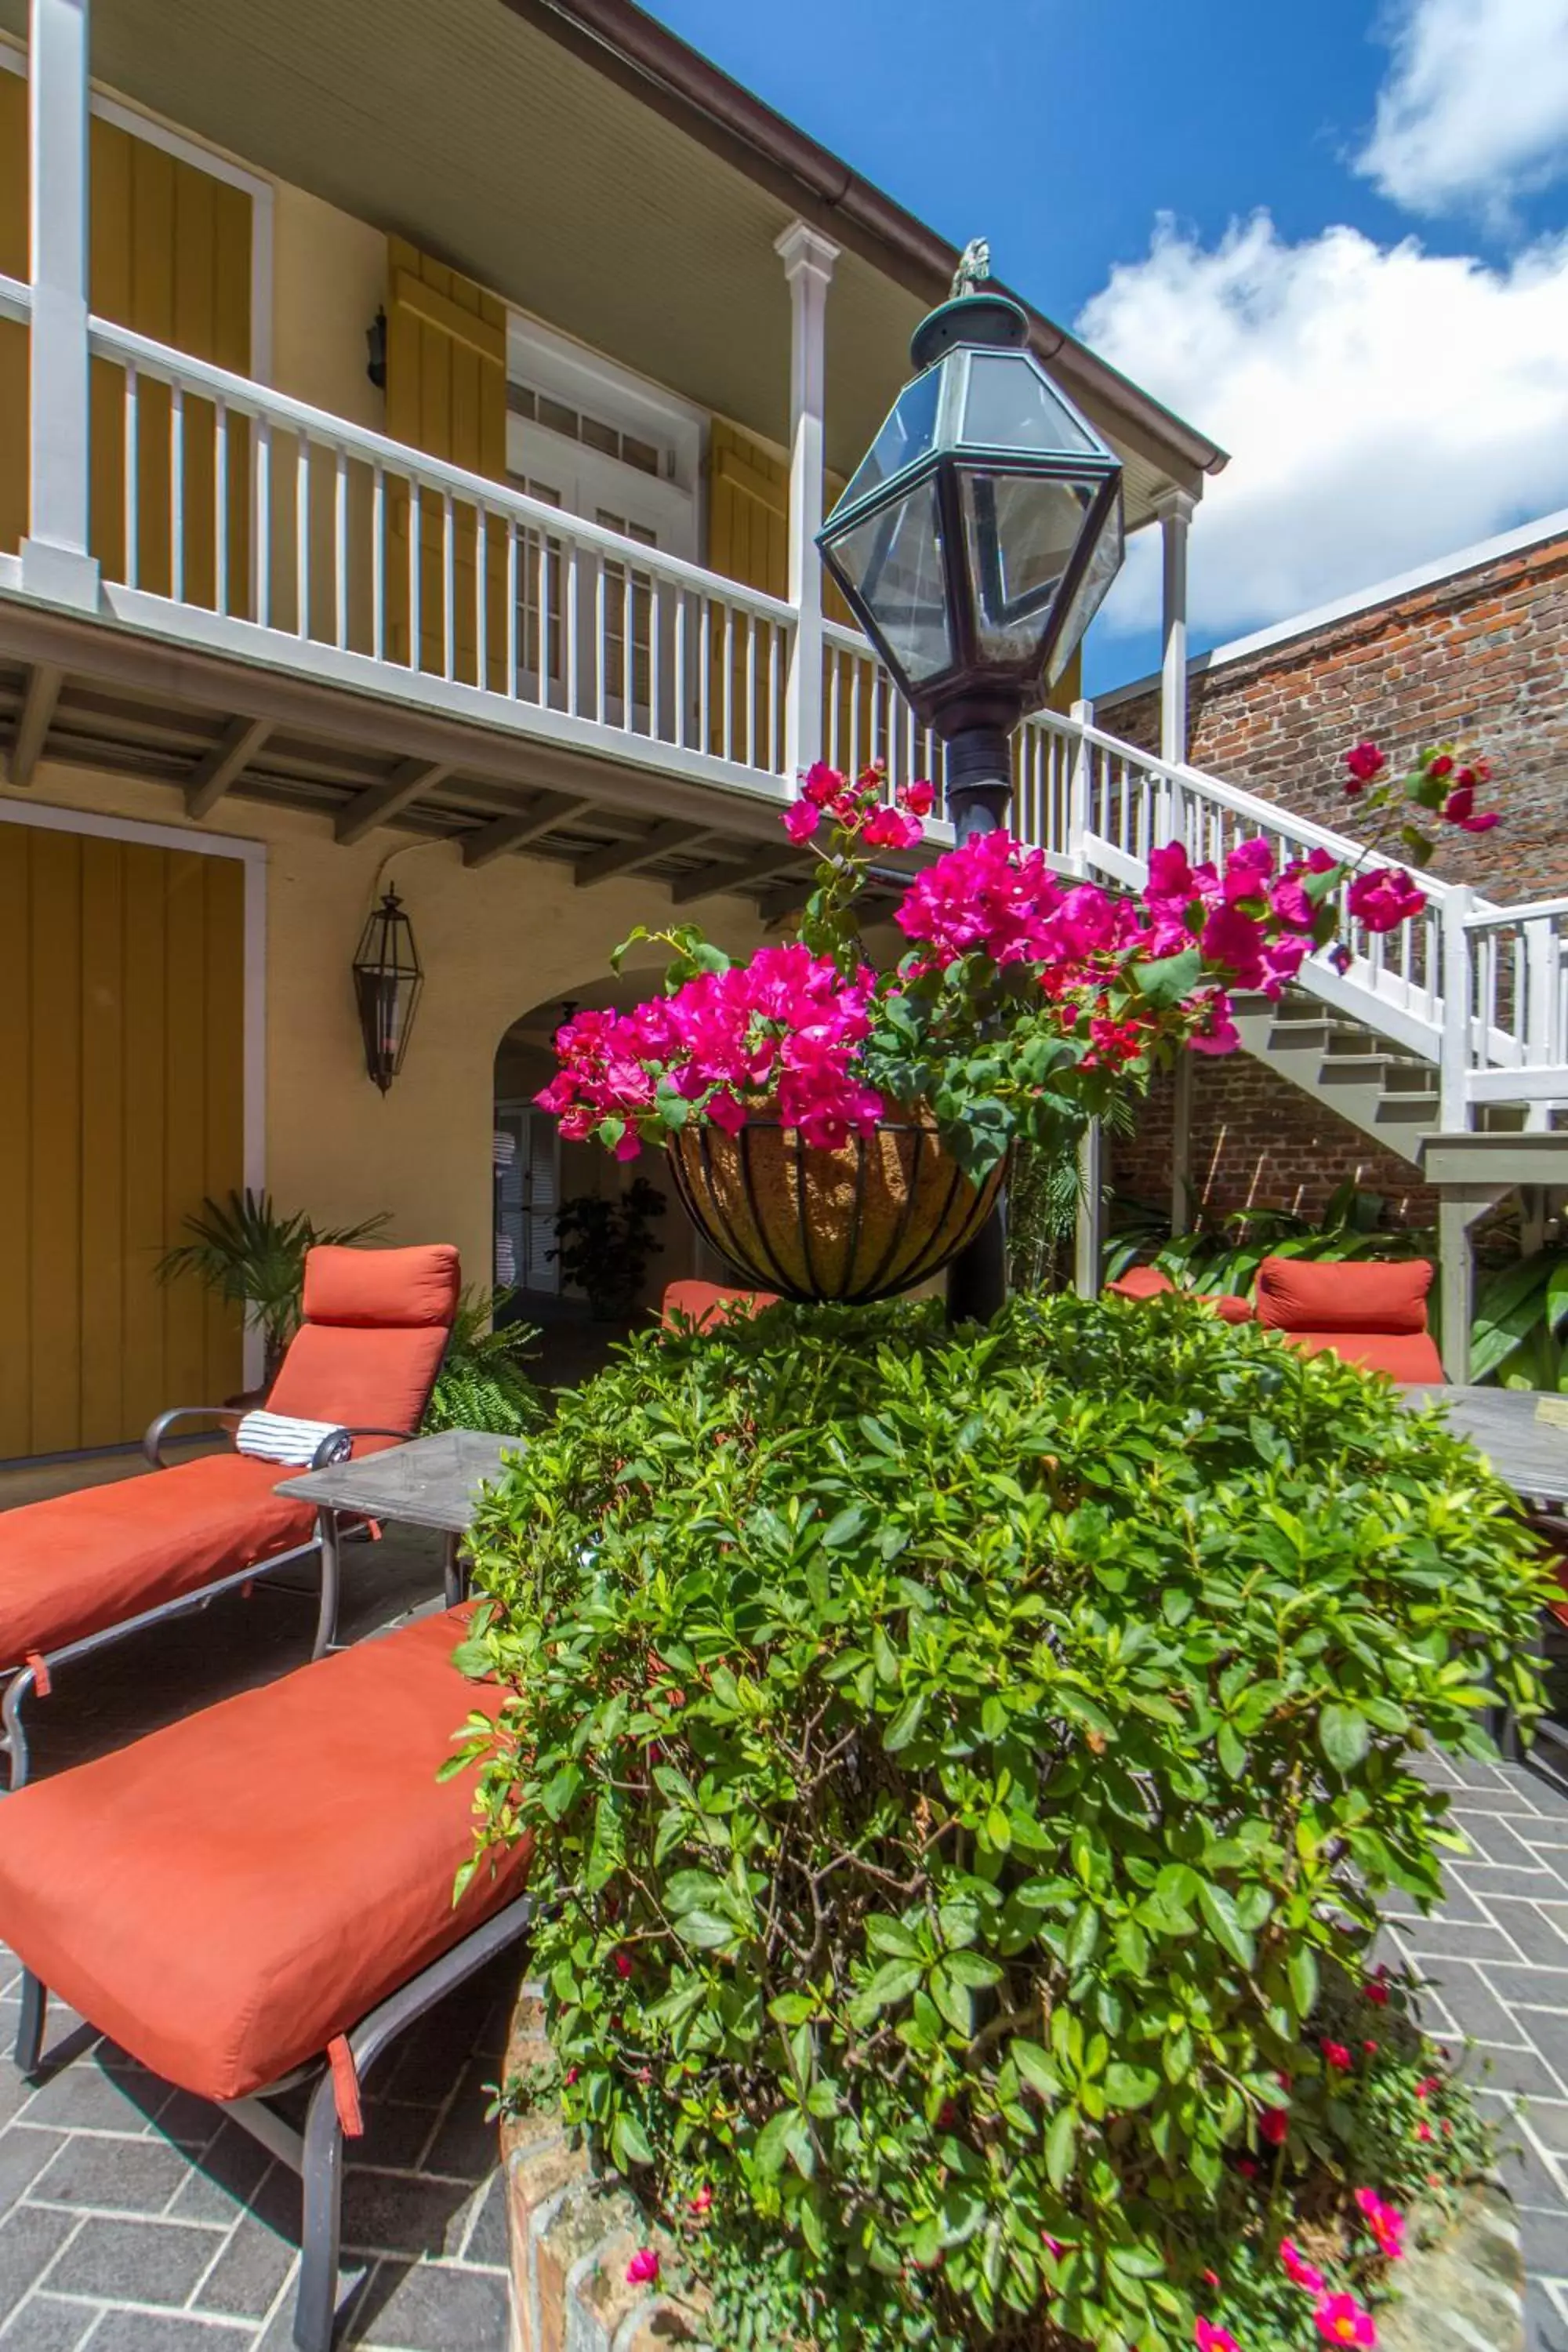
(626, 43)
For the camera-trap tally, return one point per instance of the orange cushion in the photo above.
(1228, 1307)
(72, 1565)
(381, 1286)
(226, 1896)
(1403, 1355)
(1294, 1295)
(709, 1302)
(359, 1375)
(1141, 1282)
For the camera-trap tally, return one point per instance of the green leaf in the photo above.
(1060, 2143)
(1218, 1908)
(1303, 1975)
(842, 1530)
(1128, 2088)
(905, 1724)
(1038, 2069)
(629, 2142)
(1344, 1736)
(706, 1930)
(1168, 978)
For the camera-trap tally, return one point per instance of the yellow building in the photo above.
(413, 429)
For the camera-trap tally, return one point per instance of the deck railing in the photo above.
(223, 509)
(215, 493)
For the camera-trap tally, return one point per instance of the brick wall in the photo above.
(1481, 658)
(1260, 1142)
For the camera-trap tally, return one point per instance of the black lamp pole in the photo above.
(974, 542)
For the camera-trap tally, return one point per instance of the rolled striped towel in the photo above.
(277, 1437)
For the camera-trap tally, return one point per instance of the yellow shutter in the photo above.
(121, 1047)
(446, 394)
(170, 258)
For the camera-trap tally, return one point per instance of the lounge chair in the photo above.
(1370, 1315)
(265, 1888)
(82, 1569)
(1151, 1282)
(709, 1302)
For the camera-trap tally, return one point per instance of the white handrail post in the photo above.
(1082, 716)
(1540, 1005)
(1175, 509)
(1453, 1063)
(56, 558)
(808, 258)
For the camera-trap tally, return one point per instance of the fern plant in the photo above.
(484, 1382)
(254, 1257)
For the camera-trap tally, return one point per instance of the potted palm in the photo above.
(254, 1257)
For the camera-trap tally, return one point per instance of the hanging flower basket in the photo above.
(873, 1218)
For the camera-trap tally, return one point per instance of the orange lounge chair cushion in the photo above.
(371, 1344)
(1403, 1355)
(226, 1896)
(1149, 1281)
(381, 1286)
(1295, 1294)
(75, 1563)
(711, 1302)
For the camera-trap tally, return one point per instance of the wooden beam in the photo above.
(505, 832)
(44, 684)
(708, 880)
(224, 764)
(382, 803)
(625, 856)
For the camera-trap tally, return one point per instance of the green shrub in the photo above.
(963, 1768)
(484, 1382)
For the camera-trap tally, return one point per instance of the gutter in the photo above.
(623, 41)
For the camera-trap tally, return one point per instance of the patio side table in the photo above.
(430, 1482)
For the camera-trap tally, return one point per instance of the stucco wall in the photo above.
(329, 280)
(493, 943)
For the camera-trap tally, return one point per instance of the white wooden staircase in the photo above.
(1446, 1041)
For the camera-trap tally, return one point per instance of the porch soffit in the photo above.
(462, 129)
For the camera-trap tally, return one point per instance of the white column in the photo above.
(56, 559)
(1175, 509)
(808, 258)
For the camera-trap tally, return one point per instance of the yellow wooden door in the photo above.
(122, 1058)
(446, 394)
(170, 256)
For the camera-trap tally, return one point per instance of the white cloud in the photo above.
(1383, 407)
(1476, 108)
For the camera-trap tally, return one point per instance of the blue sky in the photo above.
(1333, 234)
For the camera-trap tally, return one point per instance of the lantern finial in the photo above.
(973, 268)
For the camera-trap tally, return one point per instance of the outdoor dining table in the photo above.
(428, 1481)
(1523, 1432)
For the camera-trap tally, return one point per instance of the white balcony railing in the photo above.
(230, 514)
(217, 497)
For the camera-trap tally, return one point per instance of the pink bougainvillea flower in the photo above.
(801, 820)
(622, 1965)
(1376, 1986)
(820, 784)
(1363, 762)
(1247, 2167)
(1297, 2269)
(1386, 2222)
(702, 2202)
(1422, 2131)
(1427, 2084)
(1384, 899)
(1341, 2320)
(643, 2268)
(1337, 2056)
(1053, 2246)
(891, 828)
(919, 798)
(1459, 808)
(1210, 2338)
(1273, 2126)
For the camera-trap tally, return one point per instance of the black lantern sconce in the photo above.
(978, 536)
(375, 351)
(388, 977)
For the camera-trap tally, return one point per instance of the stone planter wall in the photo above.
(571, 2236)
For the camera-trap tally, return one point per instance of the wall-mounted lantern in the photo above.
(375, 351)
(388, 977)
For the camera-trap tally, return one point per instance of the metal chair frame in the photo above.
(316, 2153)
(326, 1542)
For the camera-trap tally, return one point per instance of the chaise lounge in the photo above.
(261, 1893)
(84, 1570)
